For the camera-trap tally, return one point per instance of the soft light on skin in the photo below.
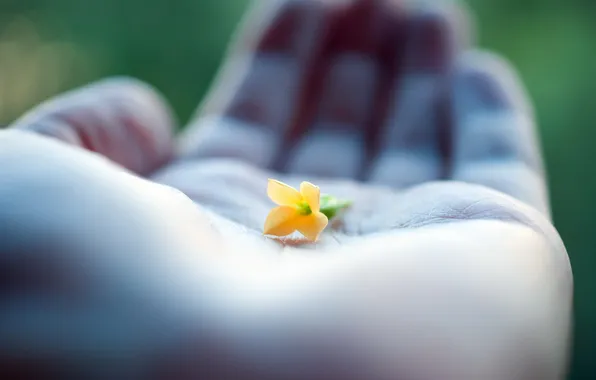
(485, 289)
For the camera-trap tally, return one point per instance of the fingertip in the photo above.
(285, 32)
(126, 83)
(122, 118)
(142, 93)
(436, 33)
(358, 26)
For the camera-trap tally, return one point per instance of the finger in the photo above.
(409, 149)
(334, 145)
(495, 140)
(254, 103)
(125, 120)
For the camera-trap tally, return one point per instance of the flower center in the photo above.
(304, 208)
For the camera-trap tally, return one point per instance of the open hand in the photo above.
(446, 257)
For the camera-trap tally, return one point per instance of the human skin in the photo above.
(128, 252)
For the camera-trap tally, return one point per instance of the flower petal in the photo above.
(281, 221)
(311, 225)
(312, 195)
(282, 194)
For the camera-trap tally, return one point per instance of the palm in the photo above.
(376, 209)
(383, 106)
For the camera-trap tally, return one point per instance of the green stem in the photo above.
(331, 206)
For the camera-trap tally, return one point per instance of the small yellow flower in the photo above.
(297, 210)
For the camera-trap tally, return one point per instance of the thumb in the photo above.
(122, 119)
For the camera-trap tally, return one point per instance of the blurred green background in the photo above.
(48, 46)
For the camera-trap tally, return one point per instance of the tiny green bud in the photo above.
(331, 206)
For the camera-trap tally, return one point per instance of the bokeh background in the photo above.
(48, 46)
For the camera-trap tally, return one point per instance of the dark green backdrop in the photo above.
(47, 46)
